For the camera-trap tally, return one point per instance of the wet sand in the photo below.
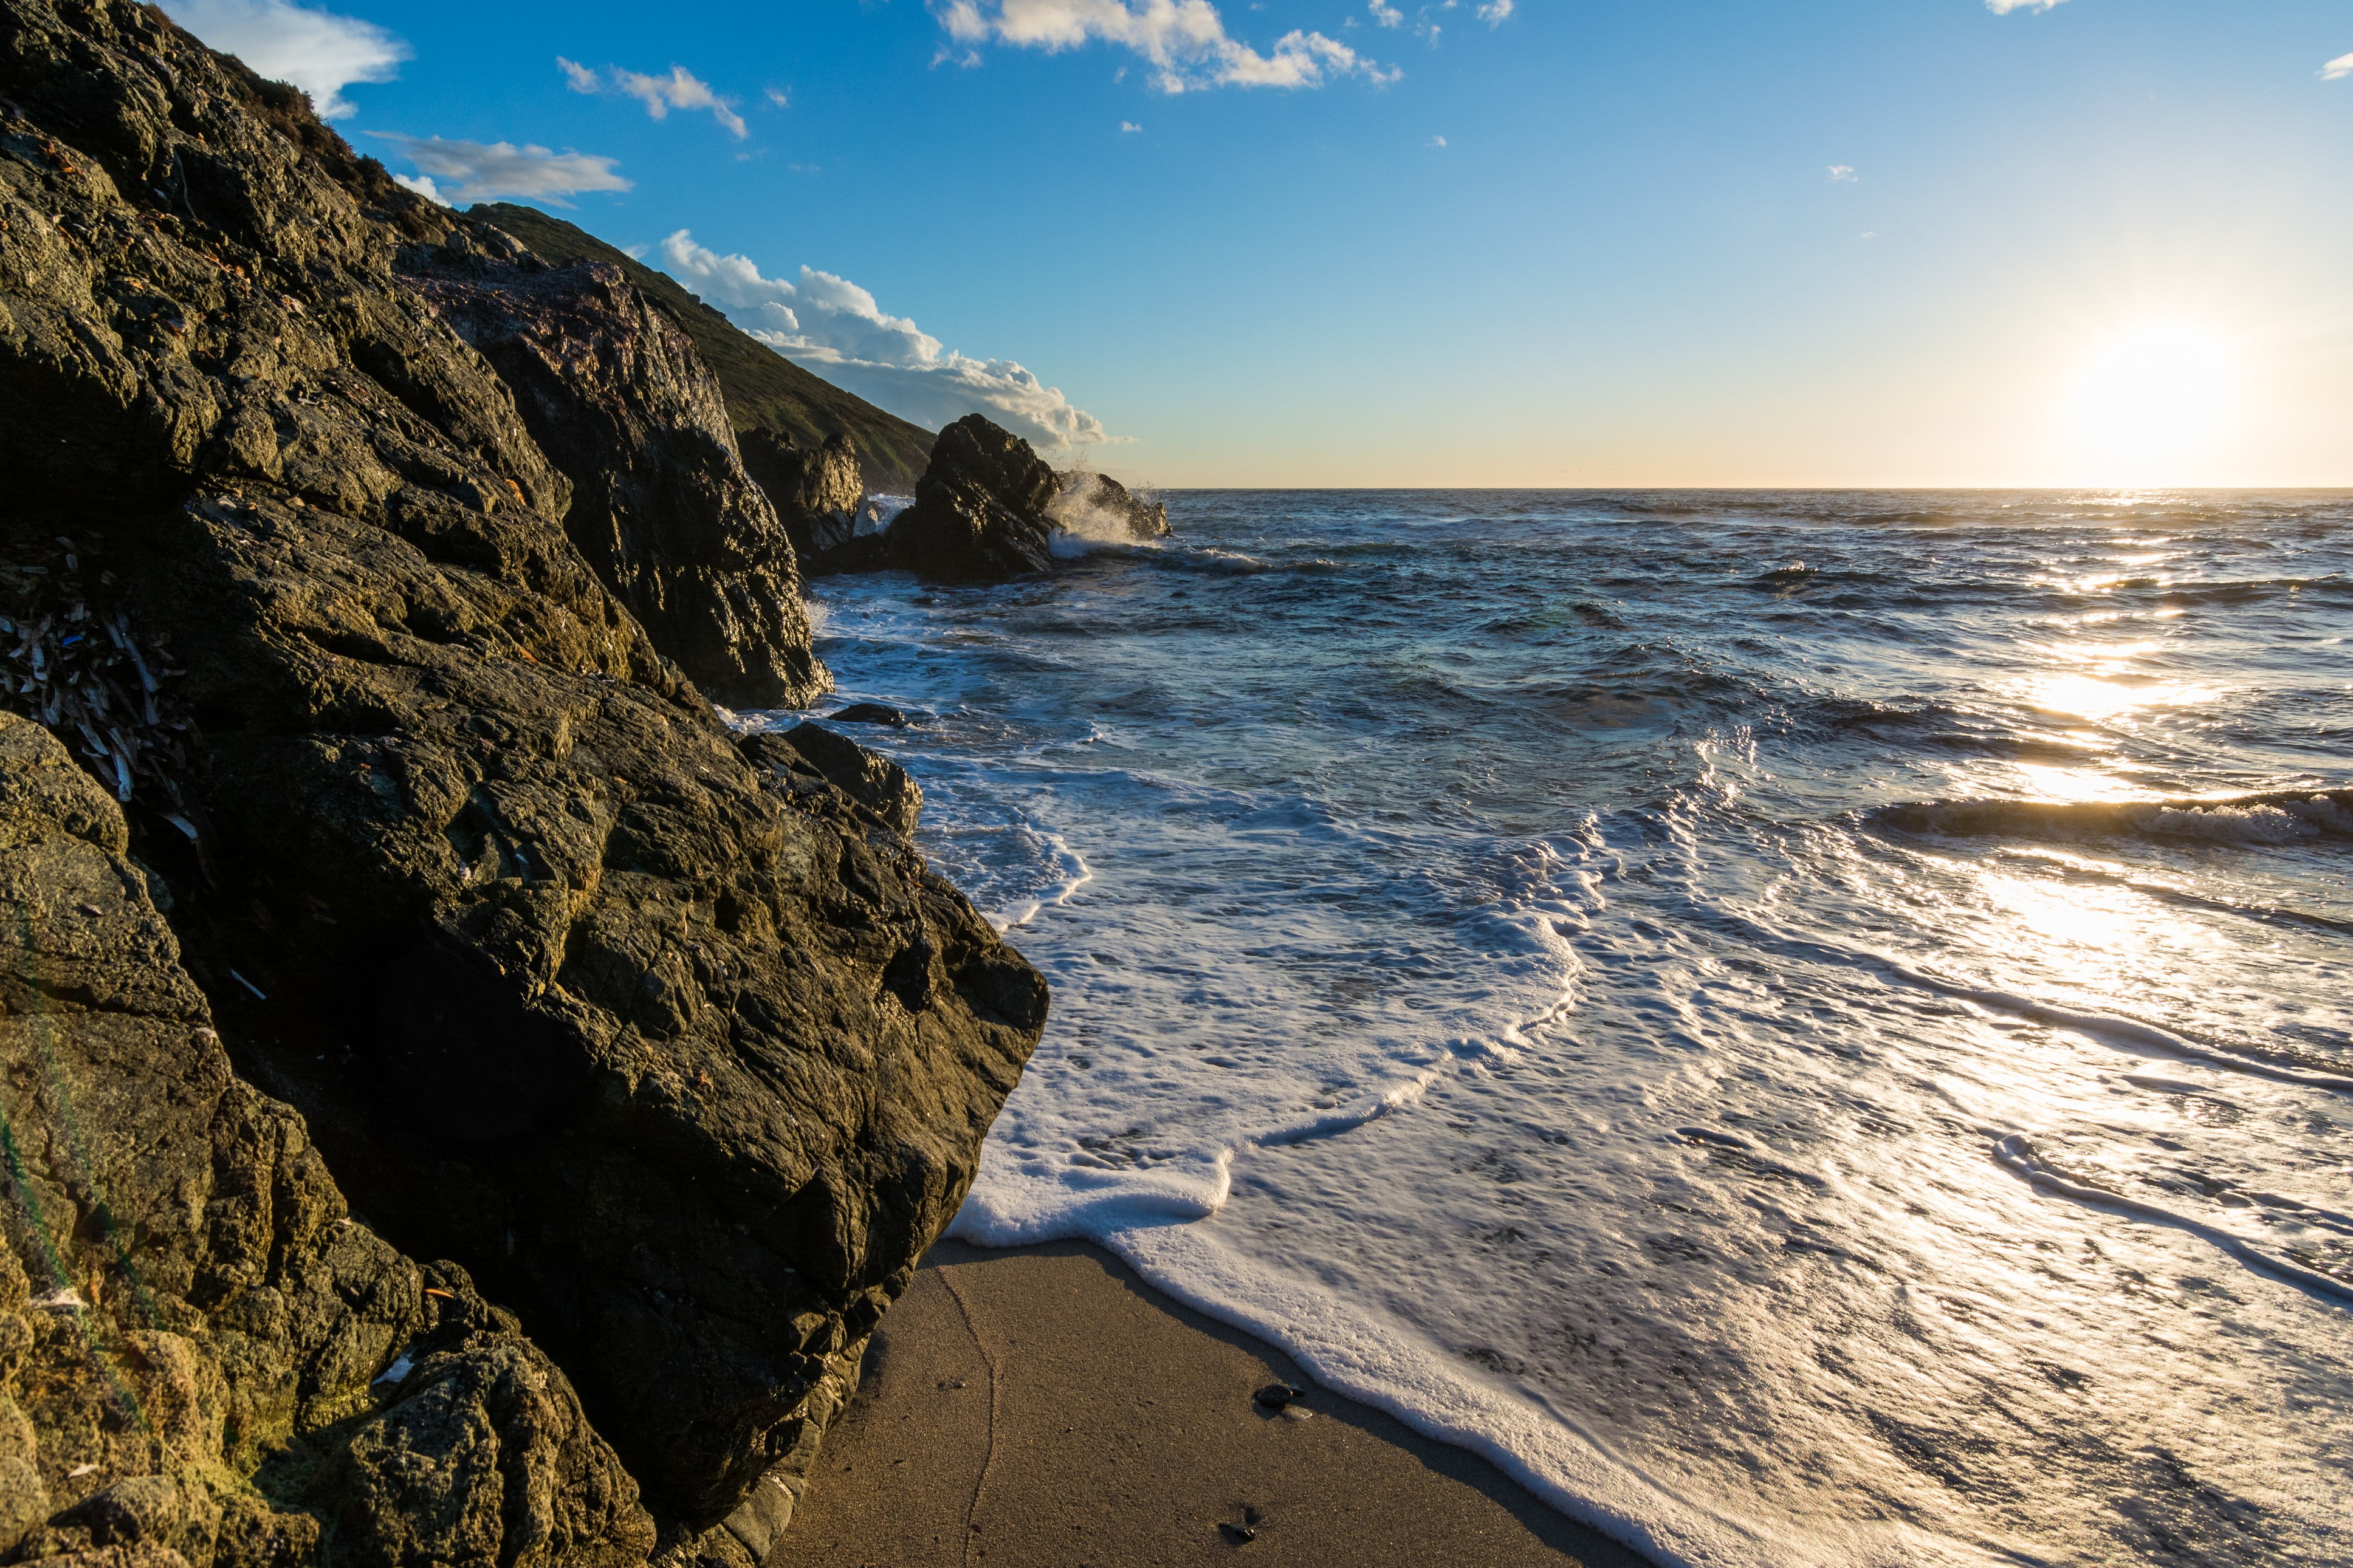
(1045, 1408)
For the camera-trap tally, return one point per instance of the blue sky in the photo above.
(1875, 242)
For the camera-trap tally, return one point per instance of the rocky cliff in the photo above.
(765, 390)
(613, 393)
(358, 557)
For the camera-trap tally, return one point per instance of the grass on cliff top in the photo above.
(761, 386)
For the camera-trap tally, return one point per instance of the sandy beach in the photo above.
(1044, 1407)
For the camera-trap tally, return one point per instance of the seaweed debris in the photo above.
(74, 658)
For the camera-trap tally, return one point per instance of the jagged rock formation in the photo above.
(874, 782)
(673, 1044)
(1096, 506)
(765, 389)
(817, 493)
(980, 511)
(612, 391)
(203, 1360)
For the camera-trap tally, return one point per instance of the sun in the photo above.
(2152, 405)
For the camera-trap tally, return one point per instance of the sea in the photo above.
(1810, 1028)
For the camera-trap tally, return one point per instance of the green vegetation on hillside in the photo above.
(762, 386)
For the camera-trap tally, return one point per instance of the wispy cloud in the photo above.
(660, 94)
(1184, 41)
(1387, 15)
(837, 329)
(1129, 128)
(2004, 7)
(454, 171)
(1435, 141)
(317, 51)
(1494, 14)
(1844, 174)
(2342, 65)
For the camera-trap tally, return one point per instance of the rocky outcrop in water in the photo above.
(981, 509)
(672, 1044)
(1096, 506)
(987, 508)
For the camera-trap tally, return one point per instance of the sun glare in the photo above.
(2151, 405)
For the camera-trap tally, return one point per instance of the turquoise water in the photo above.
(1812, 1027)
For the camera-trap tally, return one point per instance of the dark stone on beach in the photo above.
(1094, 505)
(683, 1058)
(611, 391)
(1238, 1534)
(1275, 1395)
(980, 508)
(816, 491)
(868, 714)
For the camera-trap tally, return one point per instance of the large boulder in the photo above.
(203, 1359)
(683, 1059)
(981, 509)
(610, 389)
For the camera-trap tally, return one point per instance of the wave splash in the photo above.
(1486, 963)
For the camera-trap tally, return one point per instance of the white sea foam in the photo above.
(1615, 1100)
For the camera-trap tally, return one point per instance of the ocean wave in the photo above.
(2016, 1155)
(2284, 817)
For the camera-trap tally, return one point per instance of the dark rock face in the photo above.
(816, 491)
(1096, 506)
(676, 1047)
(980, 511)
(876, 782)
(203, 1359)
(611, 391)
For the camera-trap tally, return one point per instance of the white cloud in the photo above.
(422, 184)
(1185, 41)
(484, 172)
(319, 52)
(781, 98)
(1387, 15)
(1495, 14)
(1844, 173)
(660, 94)
(1435, 141)
(1129, 128)
(2004, 7)
(2342, 65)
(835, 328)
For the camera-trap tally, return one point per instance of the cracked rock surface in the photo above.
(203, 1358)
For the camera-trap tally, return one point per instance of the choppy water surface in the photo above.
(1791, 1059)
